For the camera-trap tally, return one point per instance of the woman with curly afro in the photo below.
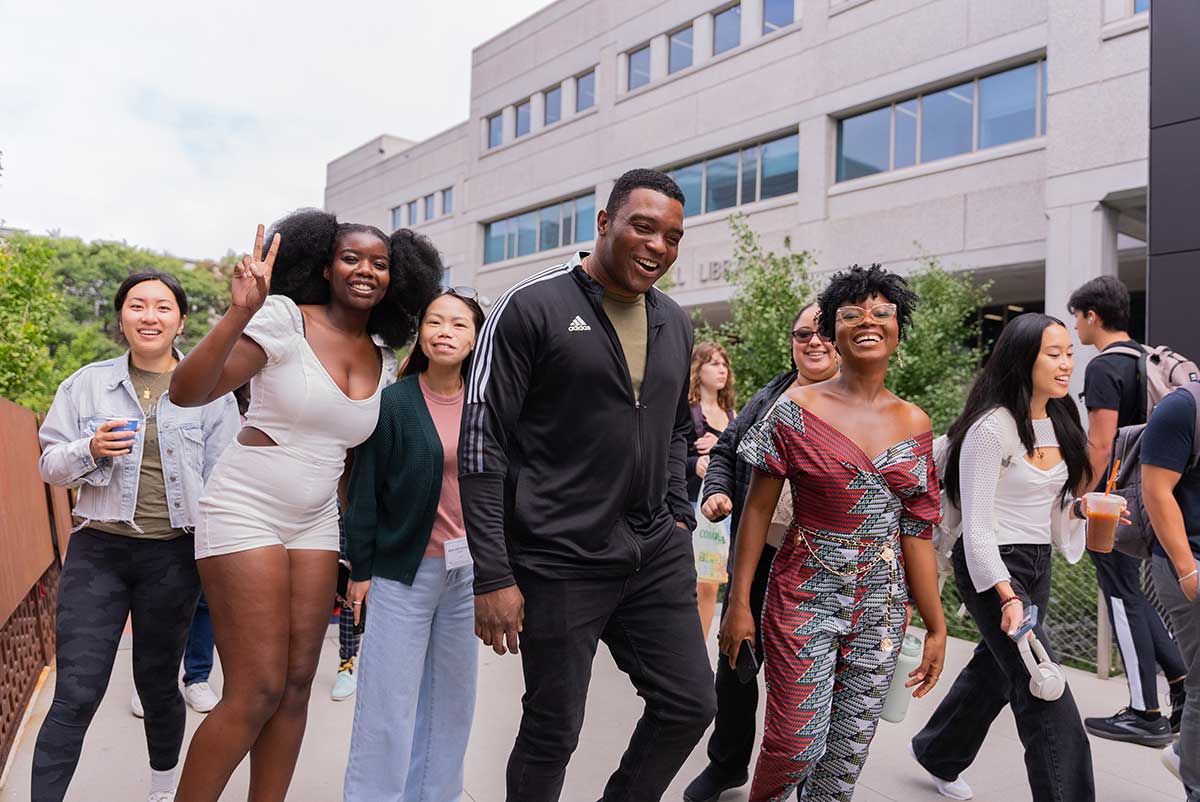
(312, 326)
(865, 499)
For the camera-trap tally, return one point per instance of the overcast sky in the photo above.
(179, 127)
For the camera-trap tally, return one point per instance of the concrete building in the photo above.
(1006, 138)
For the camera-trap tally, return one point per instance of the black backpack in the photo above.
(1137, 538)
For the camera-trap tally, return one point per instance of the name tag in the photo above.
(457, 554)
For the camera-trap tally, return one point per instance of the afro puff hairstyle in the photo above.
(308, 241)
(856, 283)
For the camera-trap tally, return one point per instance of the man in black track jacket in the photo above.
(571, 461)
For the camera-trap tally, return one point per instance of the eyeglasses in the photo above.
(804, 335)
(470, 293)
(856, 315)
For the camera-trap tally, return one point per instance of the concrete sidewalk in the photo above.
(113, 766)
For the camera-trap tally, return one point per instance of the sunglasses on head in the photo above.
(470, 293)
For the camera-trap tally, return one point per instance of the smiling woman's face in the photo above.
(150, 318)
(869, 339)
(359, 274)
(815, 358)
(1054, 364)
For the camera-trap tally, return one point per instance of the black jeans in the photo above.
(649, 623)
(106, 579)
(1058, 757)
(1185, 617)
(731, 744)
(1140, 633)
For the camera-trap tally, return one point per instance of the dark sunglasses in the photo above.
(470, 293)
(804, 335)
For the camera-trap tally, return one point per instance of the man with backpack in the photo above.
(1171, 495)
(1117, 390)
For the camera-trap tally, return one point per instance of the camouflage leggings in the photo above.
(105, 579)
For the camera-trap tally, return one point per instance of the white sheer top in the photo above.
(1004, 504)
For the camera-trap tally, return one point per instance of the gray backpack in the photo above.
(1137, 538)
(1160, 371)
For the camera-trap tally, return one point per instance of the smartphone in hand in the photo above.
(1027, 625)
(747, 663)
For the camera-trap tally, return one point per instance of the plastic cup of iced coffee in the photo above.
(1103, 516)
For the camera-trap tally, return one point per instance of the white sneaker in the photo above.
(954, 789)
(200, 697)
(135, 705)
(1170, 759)
(161, 796)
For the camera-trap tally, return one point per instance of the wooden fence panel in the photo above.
(26, 549)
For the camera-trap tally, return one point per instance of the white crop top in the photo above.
(1004, 505)
(294, 400)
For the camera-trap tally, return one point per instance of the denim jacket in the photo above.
(190, 440)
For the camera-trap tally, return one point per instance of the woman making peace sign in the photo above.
(317, 353)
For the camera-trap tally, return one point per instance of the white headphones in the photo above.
(1046, 678)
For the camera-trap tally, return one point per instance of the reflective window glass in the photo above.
(568, 219)
(585, 218)
(727, 29)
(493, 242)
(721, 182)
(495, 130)
(1045, 80)
(690, 179)
(749, 175)
(412, 213)
(1140, 5)
(527, 233)
(780, 166)
(585, 91)
(553, 105)
(1008, 106)
(680, 50)
(523, 118)
(639, 68)
(430, 211)
(947, 120)
(863, 144)
(905, 148)
(397, 218)
(777, 14)
(548, 219)
(448, 200)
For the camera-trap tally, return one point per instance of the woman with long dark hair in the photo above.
(1017, 457)
(865, 500)
(139, 459)
(411, 570)
(311, 326)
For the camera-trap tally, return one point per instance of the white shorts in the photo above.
(268, 496)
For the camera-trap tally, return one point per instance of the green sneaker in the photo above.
(346, 683)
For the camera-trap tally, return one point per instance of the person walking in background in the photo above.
(727, 480)
(1115, 396)
(317, 352)
(1017, 457)
(865, 492)
(409, 565)
(1171, 495)
(712, 396)
(349, 639)
(572, 465)
(139, 460)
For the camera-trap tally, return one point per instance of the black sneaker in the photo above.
(1131, 727)
(1178, 697)
(711, 783)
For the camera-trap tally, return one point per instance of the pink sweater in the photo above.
(446, 412)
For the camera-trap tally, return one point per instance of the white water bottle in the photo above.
(895, 706)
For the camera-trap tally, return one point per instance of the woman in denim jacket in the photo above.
(140, 463)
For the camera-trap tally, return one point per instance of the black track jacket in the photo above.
(561, 472)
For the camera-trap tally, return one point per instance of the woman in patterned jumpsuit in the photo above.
(865, 494)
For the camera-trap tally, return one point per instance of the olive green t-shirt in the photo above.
(151, 513)
(629, 319)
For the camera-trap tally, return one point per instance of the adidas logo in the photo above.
(578, 325)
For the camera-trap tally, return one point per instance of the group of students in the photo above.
(532, 480)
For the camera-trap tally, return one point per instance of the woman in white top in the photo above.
(317, 352)
(1017, 457)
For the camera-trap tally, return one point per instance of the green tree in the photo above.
(30, 302)
(769, 289)
(937, 360)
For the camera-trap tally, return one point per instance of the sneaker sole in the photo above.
(340, 698)
(1153, 741)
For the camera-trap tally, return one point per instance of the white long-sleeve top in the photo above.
(1006, 500)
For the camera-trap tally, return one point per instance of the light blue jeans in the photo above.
(416, 689)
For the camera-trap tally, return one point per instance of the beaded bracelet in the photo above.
(1009, 600)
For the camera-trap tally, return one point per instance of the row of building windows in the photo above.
(982, 113)
(726, 35)
(566, 223)
(428, 204)
(745, 175)
(552, 110)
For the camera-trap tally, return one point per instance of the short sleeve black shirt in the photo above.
(1111, 382)
(1167, 443)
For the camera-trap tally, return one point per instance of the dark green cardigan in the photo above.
(395, 485)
